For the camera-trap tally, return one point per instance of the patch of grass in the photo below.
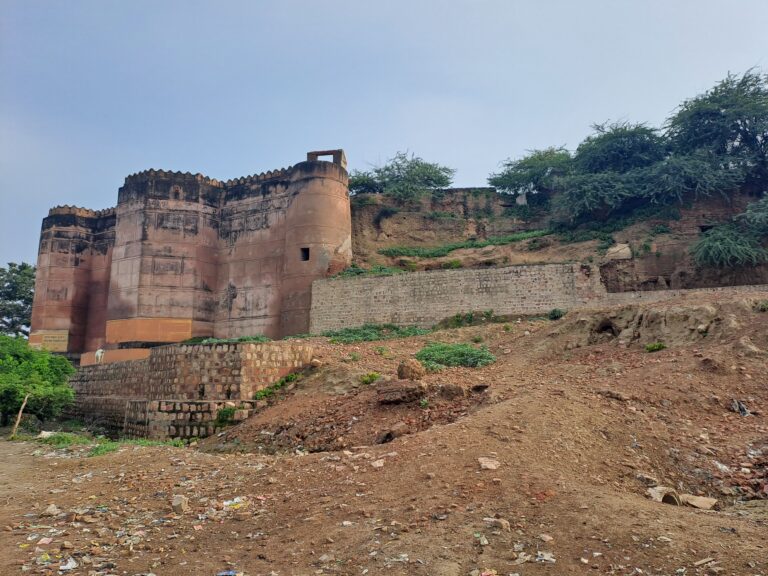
(369, 378)
(265, 393)
(382, 351)
(108, 446)
(472, 318)
(65, 439)
(354, 271)
(507, 327)
(660, 229)
(352, 357)
(444, 250)
(477, 339)
(371, 332)
(655, 346)
(437, 355)
(441, 216)
(556, 314)
(761, 306)
(423, 403)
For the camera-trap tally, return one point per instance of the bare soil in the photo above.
(578, 416)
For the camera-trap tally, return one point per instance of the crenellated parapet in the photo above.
(153, 174)
(259, 178)
(67, 210)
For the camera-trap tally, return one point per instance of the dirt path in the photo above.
(577, 435)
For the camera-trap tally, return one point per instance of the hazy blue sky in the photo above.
(93, 90)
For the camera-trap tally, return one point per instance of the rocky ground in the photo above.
(537, 464)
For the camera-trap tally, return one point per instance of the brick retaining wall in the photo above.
(426, 298)
(186, 379)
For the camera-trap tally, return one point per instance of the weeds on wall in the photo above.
(355, 271)
(269, 391)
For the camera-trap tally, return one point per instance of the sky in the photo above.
(94, 90)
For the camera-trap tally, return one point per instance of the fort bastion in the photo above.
(183, 255)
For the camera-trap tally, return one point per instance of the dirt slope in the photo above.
(579, 418)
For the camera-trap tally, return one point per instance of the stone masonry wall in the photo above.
(187, 374)
(425, 298)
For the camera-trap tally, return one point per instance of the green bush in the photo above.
(371, 332)
(369, 378)
(38, 373)
(762, 306)
(355, 270)
(728, 246)
(108, 446)
(655, 346)
(556, 314)
(437, 355)
(225, 416)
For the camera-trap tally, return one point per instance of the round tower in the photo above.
(318, 234)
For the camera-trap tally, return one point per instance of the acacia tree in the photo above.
(729, 121)
(404, 177)
(17, 285)
(533, 175)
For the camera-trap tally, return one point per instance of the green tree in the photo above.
(38, 373)
(17, 285)
(619, 147)
(404, 177)
(534, 174)
(729, 121)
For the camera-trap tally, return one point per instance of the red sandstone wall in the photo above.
(183, 255)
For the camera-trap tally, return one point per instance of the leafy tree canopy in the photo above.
(619, 147)
(38, 373)
(17, 284)
(404, 177)
(534, 174)
(730, 120)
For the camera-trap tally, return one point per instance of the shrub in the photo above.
(728, 246)
(477, 339)
(655, 346)
(762, 306)
(452, 265)
(225, 416)
(556, 314)
(369, 378)
(436, 356)
(371, 332)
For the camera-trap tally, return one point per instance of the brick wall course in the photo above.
(181, 379)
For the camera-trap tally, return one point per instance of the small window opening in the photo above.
(305, 254)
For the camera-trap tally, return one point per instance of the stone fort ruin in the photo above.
(183, 255)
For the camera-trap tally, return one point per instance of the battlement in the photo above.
(259, 178)
(153, 174)
(67, 210)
